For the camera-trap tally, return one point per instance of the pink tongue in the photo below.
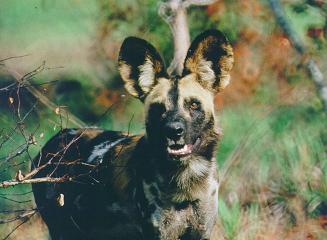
(187, 149)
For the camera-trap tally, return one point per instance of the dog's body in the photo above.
(162, 185)
(128, 195)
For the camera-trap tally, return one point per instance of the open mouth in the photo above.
(182, 150)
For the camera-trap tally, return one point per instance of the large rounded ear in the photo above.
(140, 65)
(210, 57)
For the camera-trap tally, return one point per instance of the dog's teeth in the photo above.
(186, 149)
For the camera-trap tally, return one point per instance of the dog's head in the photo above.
(180, 119)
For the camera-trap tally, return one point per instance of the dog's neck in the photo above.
(185, 179)
(192, 179)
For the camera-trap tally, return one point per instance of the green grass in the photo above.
(279, 170)
(27, 21)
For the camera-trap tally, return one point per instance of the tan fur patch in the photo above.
(226, 64)
(157, 66)
(203, 68)
(120, 165)
(206, 74)
(189, 88)
(191, 190)
(158, 94)
(197, 63)
(90, 133)
(125, 71)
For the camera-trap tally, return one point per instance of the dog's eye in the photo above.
(194, 105)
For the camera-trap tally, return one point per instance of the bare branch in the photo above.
(14, 200)
(18, 217)
(17, 210)
(11, 183)
(43, 99)
(174, 15)
(26, 219)
(14, 85)
(13, 57)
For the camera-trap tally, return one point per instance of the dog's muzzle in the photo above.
(176, 144)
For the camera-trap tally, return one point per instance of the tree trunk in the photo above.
(174, 13)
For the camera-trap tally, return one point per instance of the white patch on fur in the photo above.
(73, 131)
(156, 216)
(147, 75)
(125, 71)
(100, 150)
(199, 167)
(205, 71)
(80, 131)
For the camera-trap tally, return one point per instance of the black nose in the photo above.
(174, 130)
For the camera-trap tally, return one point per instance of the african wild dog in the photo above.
(162, 185)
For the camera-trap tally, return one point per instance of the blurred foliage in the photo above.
(281, 173)
(271, 115)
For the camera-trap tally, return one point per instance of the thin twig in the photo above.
(18, 210)
(43, 99)
(18, 217)
(11, 183)
(18, 226)
(13, 200)
(13, 57)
